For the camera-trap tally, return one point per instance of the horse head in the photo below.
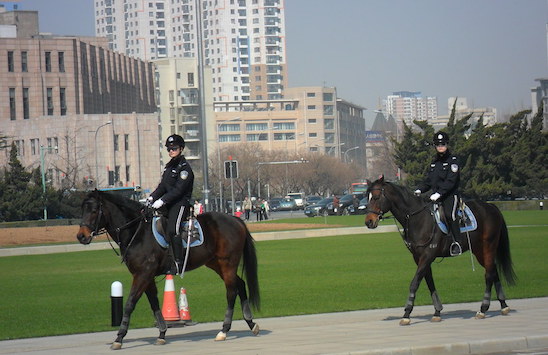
(93, 218)
(377, 203)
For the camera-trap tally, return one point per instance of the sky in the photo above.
(489, 51)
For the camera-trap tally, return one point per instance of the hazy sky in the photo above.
(489, 51)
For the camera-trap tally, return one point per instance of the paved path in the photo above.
(359, 332)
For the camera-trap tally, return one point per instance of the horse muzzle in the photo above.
(84, 235)
(372, 220)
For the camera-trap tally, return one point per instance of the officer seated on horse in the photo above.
(443, 180)
(174, 194)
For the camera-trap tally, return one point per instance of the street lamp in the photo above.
(219, 124)
(302, 161)
(96, 159)
(335, 146)
(43, 172)
(348, 150)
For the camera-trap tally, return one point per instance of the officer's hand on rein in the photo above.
(435, 196)
(157, 204)
(418, 192)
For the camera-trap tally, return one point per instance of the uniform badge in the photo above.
(454, 168)
(184, 174)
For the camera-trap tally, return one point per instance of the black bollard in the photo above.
(116, 303)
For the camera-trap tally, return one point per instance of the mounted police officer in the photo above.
(174, 193)
(443, 179)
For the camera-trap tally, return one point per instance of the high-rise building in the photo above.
(409, 106)
(243, 41)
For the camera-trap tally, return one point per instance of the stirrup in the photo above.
(455, 249)
(176, 268)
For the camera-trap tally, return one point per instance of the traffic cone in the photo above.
(184, 310)
(169, 308)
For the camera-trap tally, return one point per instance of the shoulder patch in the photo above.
(184, 175)
(454, 168)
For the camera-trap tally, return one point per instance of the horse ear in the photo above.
(381, 178)
(369, 183)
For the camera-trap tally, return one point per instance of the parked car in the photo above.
(237, 205)
(274, 204)
(344, 202)
(287, 204)
(318, 209)
(310, 200)
(360, 209)
(298, 197)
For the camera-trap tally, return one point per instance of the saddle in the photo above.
(467, 219)
(159, 227)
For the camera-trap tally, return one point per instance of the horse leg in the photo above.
(134, 296)
(491, 276)
(227, 272)
(152, 295)
(504, 309)
(434, 294)
(246, 309)
(413, 287)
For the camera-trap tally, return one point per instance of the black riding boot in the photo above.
(455, 248)
(177, 247)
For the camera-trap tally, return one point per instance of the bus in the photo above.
(358, 187)
(134, 193)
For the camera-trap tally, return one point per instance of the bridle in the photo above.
(380, 213)
(97, 231)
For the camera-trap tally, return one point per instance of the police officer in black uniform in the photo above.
(443, 179)
(174, 193)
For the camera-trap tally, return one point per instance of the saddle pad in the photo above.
(470, 222)
(197, 227)
(161, 240)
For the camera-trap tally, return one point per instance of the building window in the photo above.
(12, 104)
(49, 97)
(63, 101)
(256, 126)
(230, 138)
(311, 107)
(127, 173)
(116, 173)
(328, 110)
(190, 77)
(116, 142)
(329, 124)
(20, 145)
(24, 62)
(228, 127)
(126, 144)
(328, 96)
(61, 62)
(10, 62)
(26, 114)
(48, 62)
(283, 125)
(34, 146)
(257, 137)
(310, 94)
(312, 120)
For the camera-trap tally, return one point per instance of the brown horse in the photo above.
(226, 240)
(489, 242)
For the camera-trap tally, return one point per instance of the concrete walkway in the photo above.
(359, 332)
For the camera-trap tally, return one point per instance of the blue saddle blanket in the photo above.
(470, 222)
(160, 238)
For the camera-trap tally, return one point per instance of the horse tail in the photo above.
(250, 268)
(504, 258)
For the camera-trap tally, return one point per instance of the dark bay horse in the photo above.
(489, 242)
(226, 241)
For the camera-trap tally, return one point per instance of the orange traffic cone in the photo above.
(184, 310)
(169, 308)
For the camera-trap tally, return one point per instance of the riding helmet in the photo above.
(175, 140)
(440, 138)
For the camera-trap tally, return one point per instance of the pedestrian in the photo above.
(443, 179)
(247, 205)
(265, 209)
(198, 208)
(173, 195)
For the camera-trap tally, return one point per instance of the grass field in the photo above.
(70, 293)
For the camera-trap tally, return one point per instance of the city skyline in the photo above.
(368, 49)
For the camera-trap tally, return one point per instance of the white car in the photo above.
(298, 197)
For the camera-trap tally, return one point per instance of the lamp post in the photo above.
(219, 124)
(96, 158)
(335, 146)
(43, 172)
(274, 163)
(348, 150)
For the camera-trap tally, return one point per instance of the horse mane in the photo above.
(126, 205)
(404, 192)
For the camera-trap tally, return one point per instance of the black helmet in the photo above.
(175, 140)
(441, 138)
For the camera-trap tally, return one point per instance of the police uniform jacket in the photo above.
(177, 183)
(443, 175)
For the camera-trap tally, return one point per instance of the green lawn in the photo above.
(70, 293)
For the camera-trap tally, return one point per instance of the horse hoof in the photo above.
(116, 346)
(480, 315)
(435, 319)
(160, 341)
(505, 311)
(255, 329)
(405, 321)
(221, 336)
